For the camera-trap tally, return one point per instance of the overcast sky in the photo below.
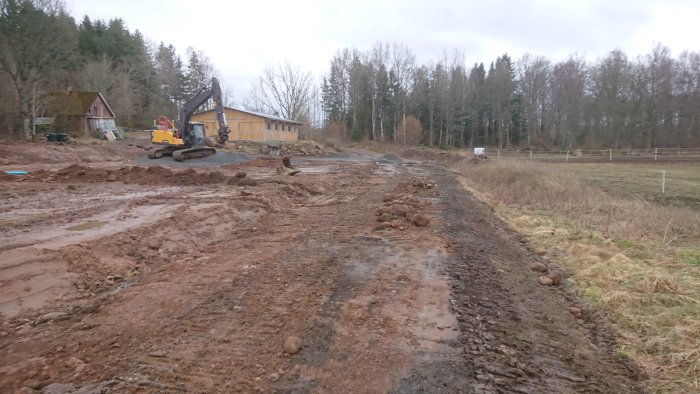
(242, 37)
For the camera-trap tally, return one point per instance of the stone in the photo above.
(576, 312)
(157, 353)
(59, 388)
(421, 221)
(273, 377)
(538, 267)
(545, 281)
(52, 316)
(400, 209)
(555, 276)
(247, 182)
(292, 345)
(383, 218)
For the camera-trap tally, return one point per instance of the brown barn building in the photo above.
(250, 126)
(84, 112)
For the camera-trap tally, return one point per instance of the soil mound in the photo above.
(156, 175)
(303, 148)
(403, 205)
(13, 153)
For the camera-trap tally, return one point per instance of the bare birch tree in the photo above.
(285, 91)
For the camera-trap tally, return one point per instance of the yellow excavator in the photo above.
(187, 140)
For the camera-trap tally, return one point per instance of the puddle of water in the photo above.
(425, 305)
(316, 170)
(132, 195)
(87, 225)
(109, 223)
(14, 213)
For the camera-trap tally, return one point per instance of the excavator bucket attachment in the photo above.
(288, 168)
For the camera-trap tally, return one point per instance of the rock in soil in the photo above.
(576, 312)
(52, 316)
(421, 221)
(292, 345)
(545, 281)
(538, 267)
(555, 276)
(273, 377)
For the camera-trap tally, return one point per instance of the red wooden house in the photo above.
(85, 113)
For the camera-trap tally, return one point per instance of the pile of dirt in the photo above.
(403, 205)
(137, 175)
(303, 148)
(13, 153)
(253, 147)
(437, 156)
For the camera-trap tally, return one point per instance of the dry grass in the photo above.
(638, 260)
(643, 180)
(542, 186)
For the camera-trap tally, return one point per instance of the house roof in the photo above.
(266, 116)
(260, 114)
(74, 103)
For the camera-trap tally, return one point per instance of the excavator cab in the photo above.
(198, 135)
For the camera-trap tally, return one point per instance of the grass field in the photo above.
(628, 249)
(643, 180)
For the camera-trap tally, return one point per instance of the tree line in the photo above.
(382, 94)
(43, 50)
(615, 102)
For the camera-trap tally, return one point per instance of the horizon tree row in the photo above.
(384, 95)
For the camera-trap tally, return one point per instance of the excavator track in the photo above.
(193, 153)
(160, 152)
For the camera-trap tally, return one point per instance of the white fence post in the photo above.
(498, 157)
(656, 151)
(663, 181)
(610, 154)
(567, 155)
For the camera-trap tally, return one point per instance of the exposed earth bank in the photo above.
(360, 274)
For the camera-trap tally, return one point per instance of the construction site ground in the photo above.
(364, 273)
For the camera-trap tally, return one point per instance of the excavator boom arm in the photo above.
(213, 91)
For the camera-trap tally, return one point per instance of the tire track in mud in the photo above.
(385, 325)
(518, 336)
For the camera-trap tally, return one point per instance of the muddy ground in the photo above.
(361, 274)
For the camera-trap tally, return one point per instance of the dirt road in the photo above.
(364, 275)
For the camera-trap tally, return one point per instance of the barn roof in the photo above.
(74, 103)
(260, 114)
(266, 116)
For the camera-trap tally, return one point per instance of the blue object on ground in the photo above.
(16, 172)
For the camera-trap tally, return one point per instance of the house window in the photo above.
(269, 126)
(275, 126)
